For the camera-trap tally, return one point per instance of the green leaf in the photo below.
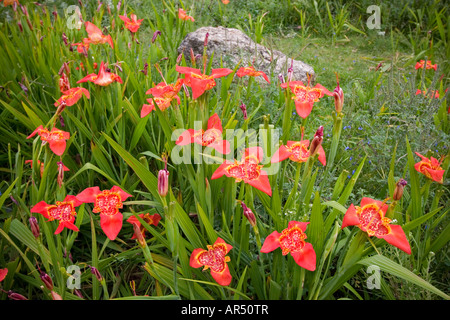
(395, 269)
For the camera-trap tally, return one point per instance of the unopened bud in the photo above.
(398, 192)
(281, 78)
(96, 273)
(180, 56)
(60, 178)
(249, 214)
(20, 26)
(56, 296)
(316, 142)
(206, 39)
(338, 95)
(244, 110)
(163, 182)
(155, 35)
(46, 280)
(15, 296)
(145, 70)
(34, 227)
(139, 236)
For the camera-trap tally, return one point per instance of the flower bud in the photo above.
(205, 43)
(139, 236)
(60, 178)
(56, 296)
(15, 296)
(316, 142)
(46, 280)
(338, 95)
(163, 182)
(244, 110)
(96, 273)
(155, 35)
(20, 26)
(398, 192)
(34, 227)
(249, 214)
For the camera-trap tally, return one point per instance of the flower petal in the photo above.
(261, 183)
(350, 217)
(281, 154)
(224, 277)
(57, 146)
(41, 207)
(88, 194)
(194, 261)
(271, 243)
(397, 238)
(123, 194)
(306, 257)
(111, 224)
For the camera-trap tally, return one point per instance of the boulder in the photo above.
(232, 45)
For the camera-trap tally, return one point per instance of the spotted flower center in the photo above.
(107, 203)
(96, 38)
(306, 94)
(63, 211)
(210, 84)
(372, 220)
(51, 136)
(215, 258)
(207, 137)
(292, 240)
(246, 170)
(299, 152)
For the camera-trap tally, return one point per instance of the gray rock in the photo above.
(232, 45)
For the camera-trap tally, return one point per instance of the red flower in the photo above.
(82, 47)
(56, 138)
(162, 103)
(212, 137)
(434, 93)
(64, 83)
(150, 219)
(200, 82)
(297, 151)
(250, 71)
(215, 259)
(3, 273)
(183, 16)
(247, 170)
(421, 64)
(291, 240)
(131, 24)
(107, 203)
(163, 90)
(63, 211)
(96, 36)
(431, 168)
(304, 97)
(71, 96)
(370, 218)
(103, 78)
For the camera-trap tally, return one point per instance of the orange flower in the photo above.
(291, 240)
(212, 137)
(103, 78)
(107, 203)
(162, 103)
(63, 211)
(56, 138)
(421, 64)
(434, 93)
(215, 259)
(183, 16)
(200, 82)
(64, 83)
(96, 36)
(225, 1)
(250, 71)
(41, 166)
(305, 97)
(71, 96)
(131, 24)
(247, 170)
(9, 2)
(150, 219)
(431, 168)
(370, 218)
(164, 90)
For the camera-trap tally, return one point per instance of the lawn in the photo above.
(128, 175)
